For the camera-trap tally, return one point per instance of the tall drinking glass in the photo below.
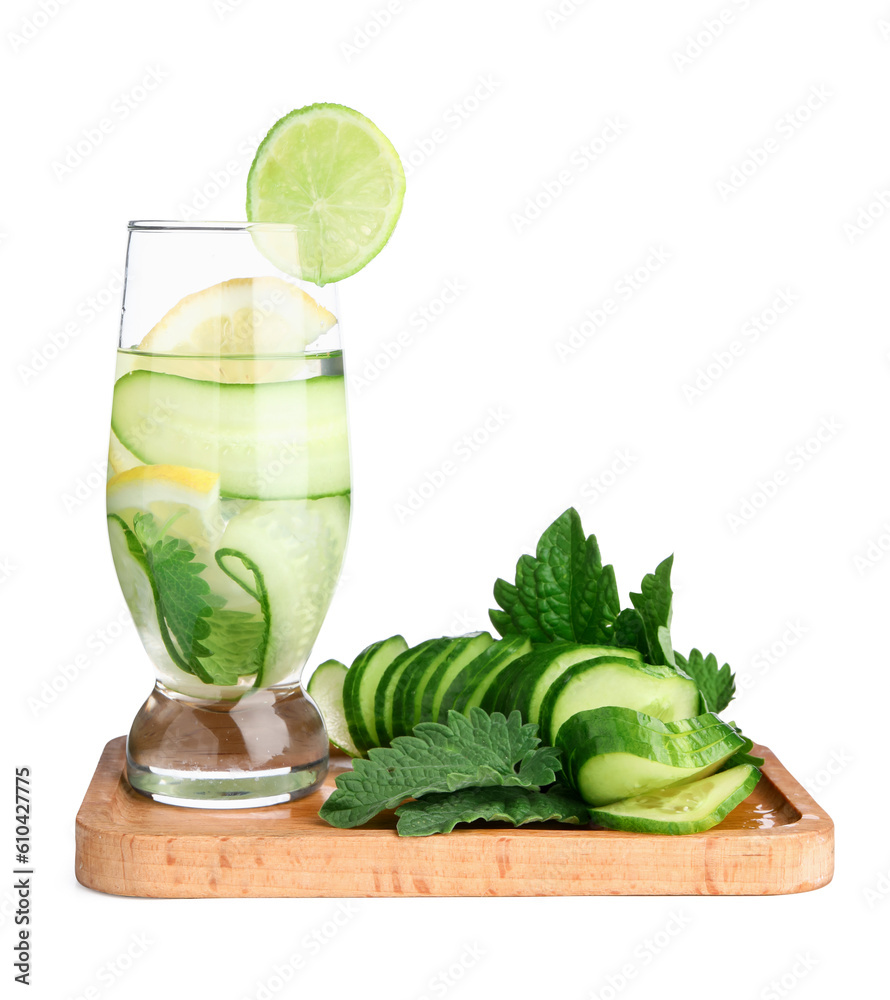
(228, 506)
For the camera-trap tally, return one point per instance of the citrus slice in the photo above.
(330, 172)
(244, 317)
(191, 496)
(120, 459)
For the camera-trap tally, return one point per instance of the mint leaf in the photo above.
(234, 646)
(183, 596)
(717, 685)
(477, 751)
(438, 813)
(563, 592)
(653, 604)
(201, 637)
(630, 631)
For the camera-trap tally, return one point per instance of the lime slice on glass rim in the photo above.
(330, 172)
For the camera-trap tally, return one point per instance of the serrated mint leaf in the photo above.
(563, 592)
(438, 813)
(234, 645)
(653, 604)
(630, 632)
(716, 684)
(477, 751)
(199, 634)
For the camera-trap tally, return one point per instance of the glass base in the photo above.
(268, 747)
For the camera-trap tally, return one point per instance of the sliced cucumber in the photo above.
(389, 687)
(296, 547)
(658, 691)
(361, 686)
(267, 441)
(412, 684)
(461, 655)
(468, 689)
(325, 688)
(692, 808)
(543, 669)
(613, 753)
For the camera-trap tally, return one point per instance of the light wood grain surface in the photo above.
(778, 841)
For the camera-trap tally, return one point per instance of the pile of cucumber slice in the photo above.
(633, 742)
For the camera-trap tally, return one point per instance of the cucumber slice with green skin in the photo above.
(658, 691)
(547, 665)
(388, 688)
(624, 724)
(692, 808)
(440, 680)
(608, 755)
(468, 689)
(495, 699)
(361, 686)
(267, 441)
(412, 684)
(325, 688)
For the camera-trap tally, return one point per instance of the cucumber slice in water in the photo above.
(325, 688)
(691, 808)
(267, 441)
(294, 550)
(361, 687)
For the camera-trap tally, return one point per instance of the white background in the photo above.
(803, 579)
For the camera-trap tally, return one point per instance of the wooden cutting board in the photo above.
(778, 841)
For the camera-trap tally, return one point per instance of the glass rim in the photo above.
(183, 226)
